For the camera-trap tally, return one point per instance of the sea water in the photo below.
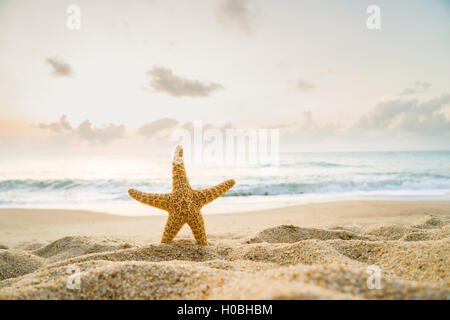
(97, 181)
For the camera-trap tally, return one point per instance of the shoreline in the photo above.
(229, 206)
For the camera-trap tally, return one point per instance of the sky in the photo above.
(138, 69)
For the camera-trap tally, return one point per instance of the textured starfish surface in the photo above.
(184, 203)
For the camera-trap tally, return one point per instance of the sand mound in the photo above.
(431, 228)
(283, 262)
(15, 263)
(197, 280)
(432, 222)
(423, 235)
(324, 282)
(68, 247)
(305, 252)
(389, 232)
(125, 280)
(419, 261)
(3, 246)
(290, 233)
(30, 246)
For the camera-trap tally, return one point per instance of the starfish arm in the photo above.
(173, 226)
(205, 196)
(179, 177)
(157, 200)
(197, 226)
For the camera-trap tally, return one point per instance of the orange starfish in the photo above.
(184, 203)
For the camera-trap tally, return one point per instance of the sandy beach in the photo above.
(312, 251)
(224, 150)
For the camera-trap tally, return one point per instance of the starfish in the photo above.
(184, 203)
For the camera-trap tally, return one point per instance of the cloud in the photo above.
(419, 87)
(61, 126)
(104, 135)
(60, 69)
(158, 128)
(304, 85)
(235, 14)
(426, 117)
(310, 83)
(164, 80)
(396, 124)
(85, 131)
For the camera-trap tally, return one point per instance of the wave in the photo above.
(67, 184)
(337, 186)
(32, 191)
(319, 164)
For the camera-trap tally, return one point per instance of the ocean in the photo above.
(64, 183)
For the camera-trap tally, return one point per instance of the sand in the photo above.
(336, 250)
